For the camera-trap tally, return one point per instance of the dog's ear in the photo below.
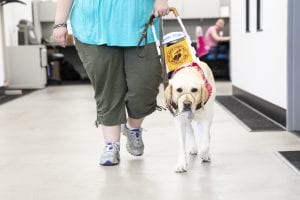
(203, 98)
(204, 95)
(168, 95)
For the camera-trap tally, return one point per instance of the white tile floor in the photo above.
(49, 149)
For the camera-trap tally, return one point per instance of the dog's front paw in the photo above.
(181, 164)
(193, 151)
(181, 167)
(205, 157)
(204, 153)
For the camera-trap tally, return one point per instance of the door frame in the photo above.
(293, 101)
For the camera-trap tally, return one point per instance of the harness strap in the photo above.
(144, 37)
(142, 54)
(162, 56)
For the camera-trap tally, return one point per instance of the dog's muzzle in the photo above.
(187, 106)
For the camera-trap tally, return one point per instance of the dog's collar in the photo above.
(200, 70)
(193, 65)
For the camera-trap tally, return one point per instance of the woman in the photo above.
(213, 35)
(106, 34)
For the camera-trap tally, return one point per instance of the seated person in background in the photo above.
(214, 35)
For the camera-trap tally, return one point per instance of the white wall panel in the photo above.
(259, 59)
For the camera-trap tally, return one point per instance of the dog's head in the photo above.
(186, 91)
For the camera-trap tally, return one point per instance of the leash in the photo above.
(144, 37)
(162, 56)
(163, 64)
(143, 52)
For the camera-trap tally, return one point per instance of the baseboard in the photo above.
(2, 91)
(272, 111)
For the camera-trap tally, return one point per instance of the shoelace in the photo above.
(137, 133)
(111, 147)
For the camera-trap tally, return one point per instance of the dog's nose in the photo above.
(187, 106)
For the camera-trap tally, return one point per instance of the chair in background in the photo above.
(200, 45)
(218, 60)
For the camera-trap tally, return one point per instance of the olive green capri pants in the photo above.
(121, 81)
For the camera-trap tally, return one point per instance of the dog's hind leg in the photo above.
(204, 129)
(192, 145)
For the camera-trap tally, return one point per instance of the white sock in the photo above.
(129, 127)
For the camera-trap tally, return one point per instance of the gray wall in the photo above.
(170, 25)
(224, 2)
(47, 29)
(190, 25)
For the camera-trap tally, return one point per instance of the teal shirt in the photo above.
(111, 22)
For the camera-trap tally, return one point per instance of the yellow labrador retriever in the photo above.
(190, 95)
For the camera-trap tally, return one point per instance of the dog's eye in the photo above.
(179, 90)
(194, 90)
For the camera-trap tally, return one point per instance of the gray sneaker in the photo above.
(134, 145)
(110, 155)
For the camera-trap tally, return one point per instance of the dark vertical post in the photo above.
(293, 105)
(258, 15)
(247, 16)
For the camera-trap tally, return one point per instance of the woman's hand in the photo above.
(161, 8)
(60, 33)
(60, 36)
